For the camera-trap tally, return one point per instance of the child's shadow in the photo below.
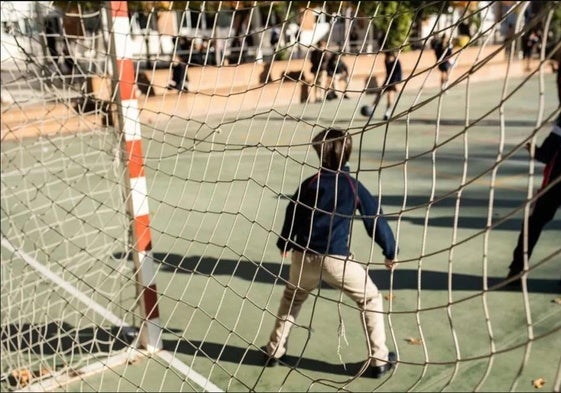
(255, 357)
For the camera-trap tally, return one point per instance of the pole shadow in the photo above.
(461, 122)
(438, 281)
(59, 341)
(255, 357)
(62, 338)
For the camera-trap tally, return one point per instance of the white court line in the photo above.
(108, 315)
(189, 372)
(105, 313)
(39, 170)
(66, 376)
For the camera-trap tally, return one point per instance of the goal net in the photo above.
(150, 149)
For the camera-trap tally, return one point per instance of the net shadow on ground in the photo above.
(473, 223)
(54, 338)
(462, 122)
(448, 221)
(450, 201)
(432, 121)
(404, 279)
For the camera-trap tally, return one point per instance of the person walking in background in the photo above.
(509, 34)
(319, 59)
(443, 50)
(58, 50)
(545, 205)
(179, 67)
(337, 71)
(393, 78)
(530, 43)
(197, 56)
(317, 228)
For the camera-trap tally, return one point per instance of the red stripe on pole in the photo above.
(136, 164)
(125, 71)
(143, 237)
(119, 8)
(150, 300)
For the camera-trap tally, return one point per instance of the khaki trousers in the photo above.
(306, 272)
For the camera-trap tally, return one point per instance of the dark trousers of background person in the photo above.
(559, 80)
(179, 76)
(543, 212)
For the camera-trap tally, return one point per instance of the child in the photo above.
(317, 229)
(545, 206)
(180, 78)
(443, 50)
(530, 42)
(337, 70)
(393, 77)
(319, 58)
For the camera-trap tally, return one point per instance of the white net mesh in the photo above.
(228, 109)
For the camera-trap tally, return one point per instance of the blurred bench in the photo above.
(363, 68)
(284, 82)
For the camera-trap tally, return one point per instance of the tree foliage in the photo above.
(392, 21)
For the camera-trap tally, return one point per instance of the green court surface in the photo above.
(454, 197)
(216, 222)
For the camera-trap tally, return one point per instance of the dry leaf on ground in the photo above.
(538, 383)
(22, 376)
(414, 341)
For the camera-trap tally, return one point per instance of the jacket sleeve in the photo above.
(292, 220)
(375, 223)
(550, 146)
(287, 232)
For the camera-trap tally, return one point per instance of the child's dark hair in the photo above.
(333, 147)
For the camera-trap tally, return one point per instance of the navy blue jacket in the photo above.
(319, 216)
